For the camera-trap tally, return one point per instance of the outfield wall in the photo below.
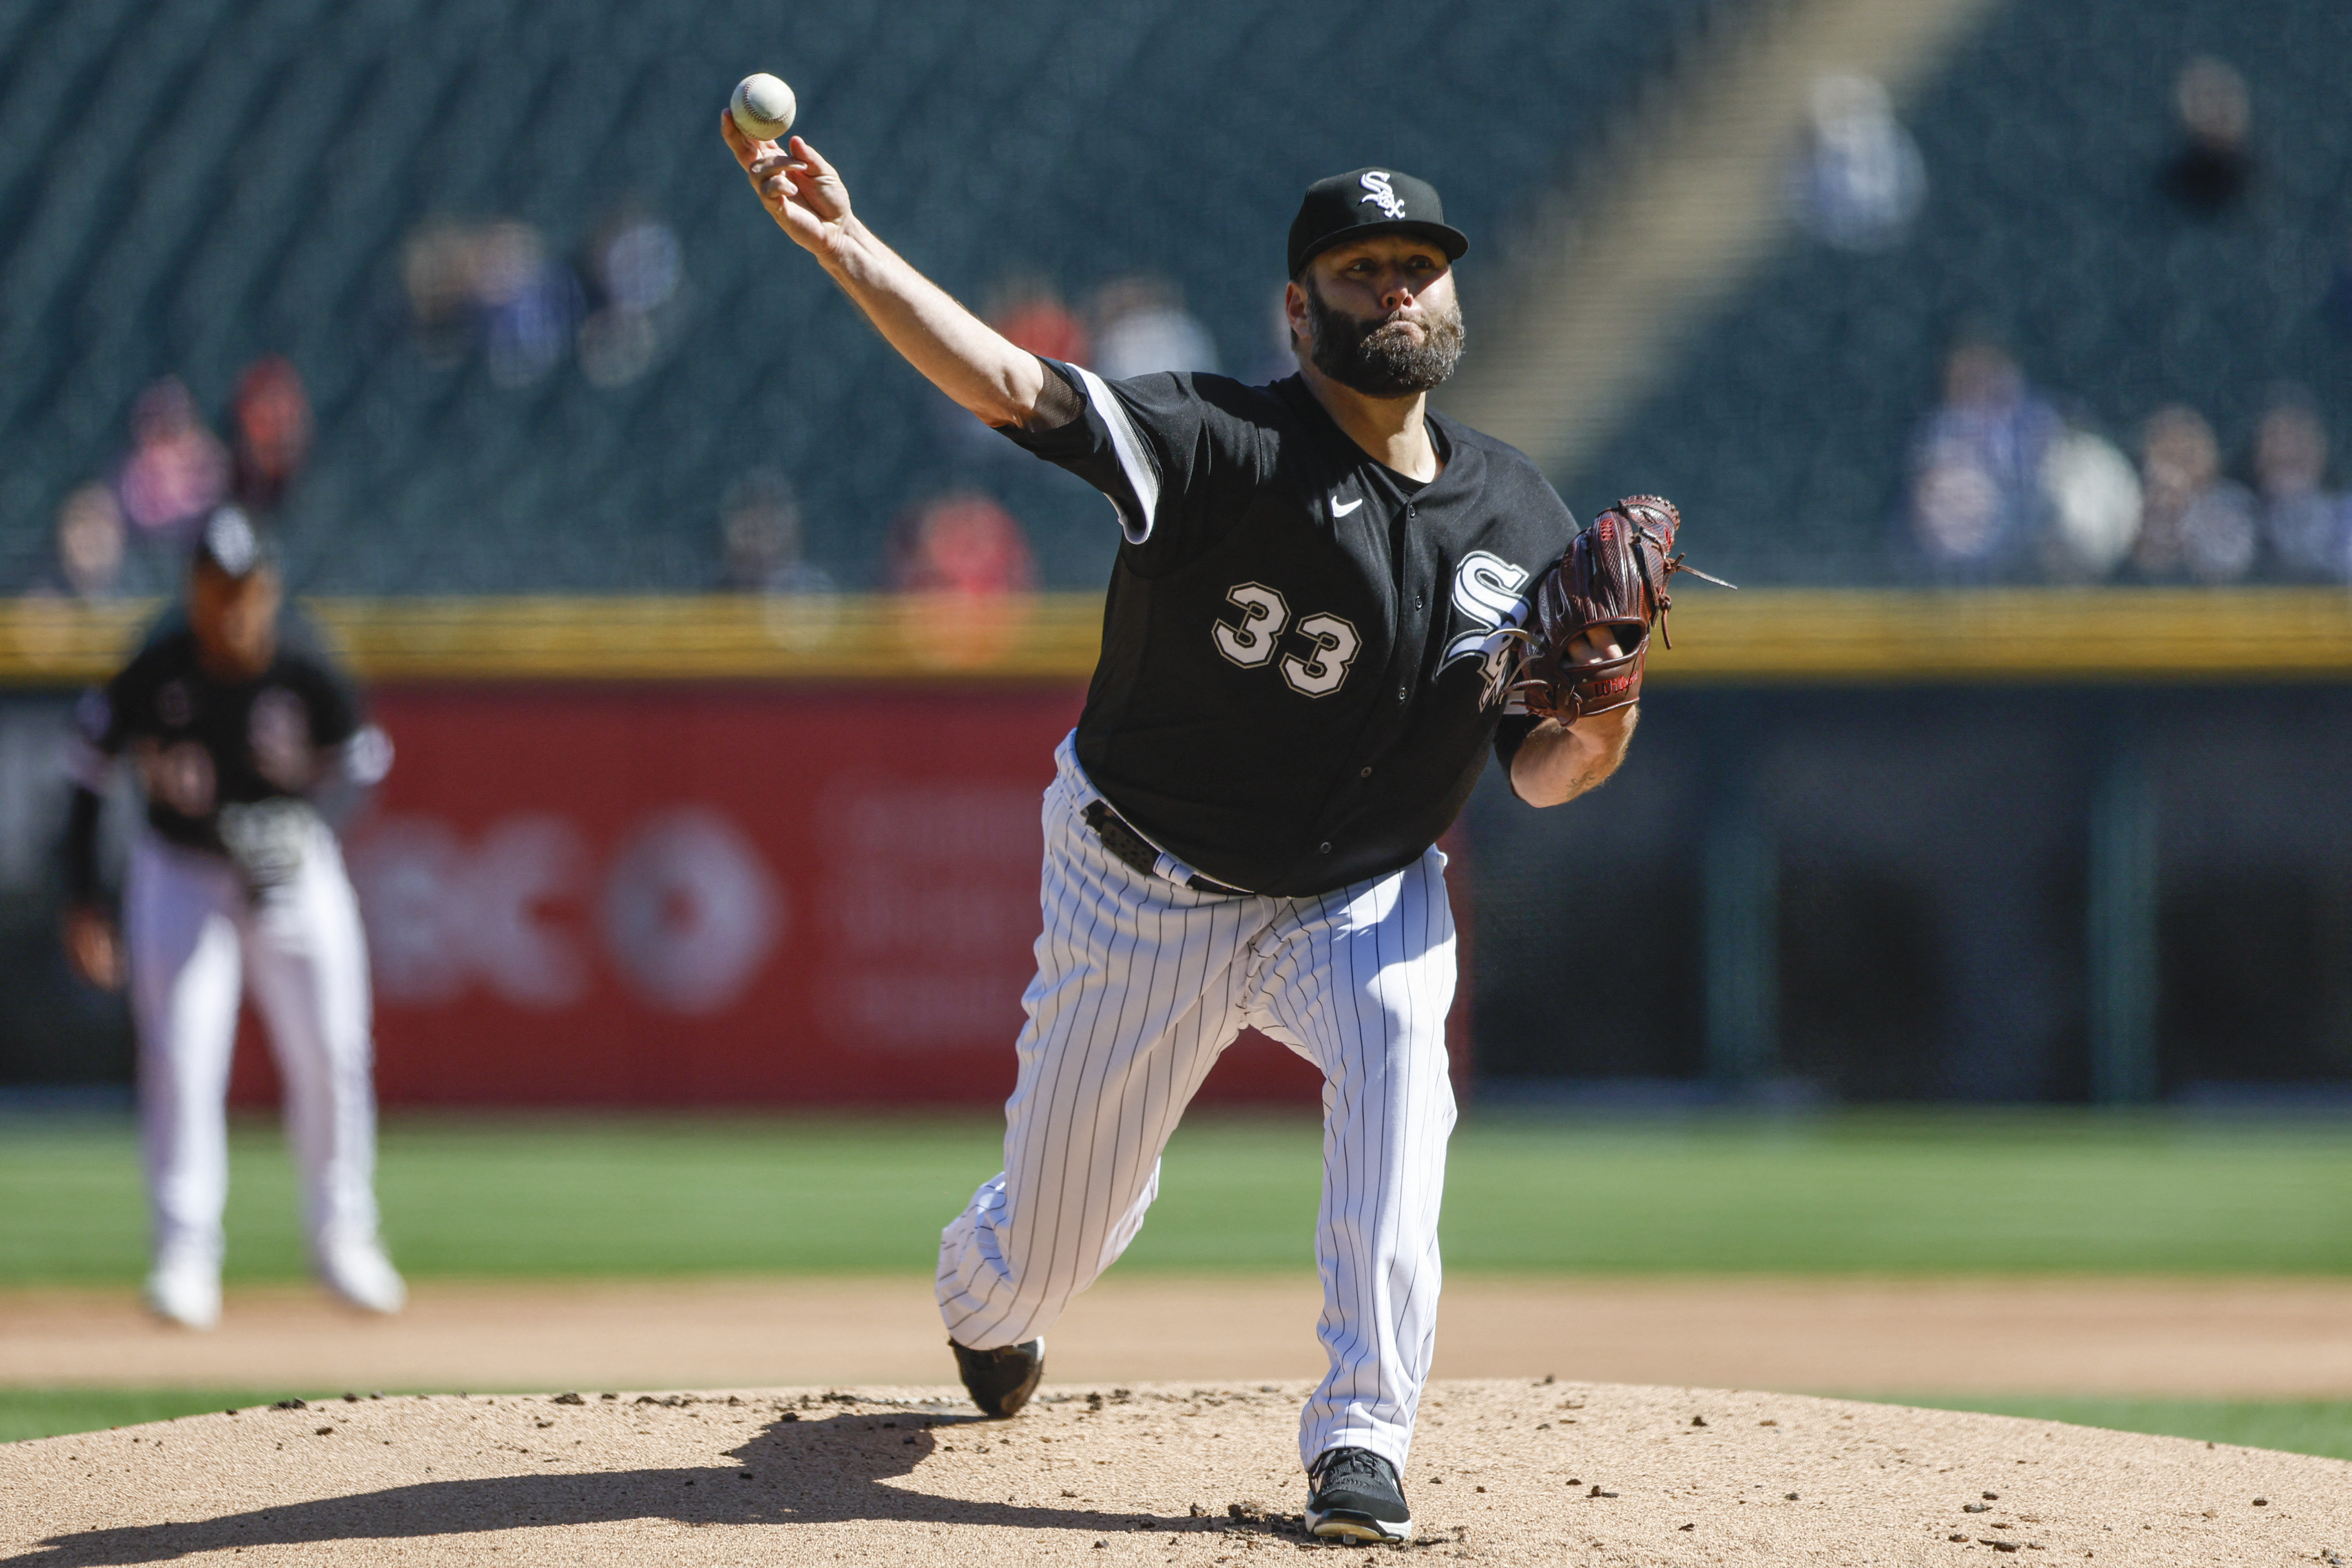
(2006, 846)
(712, 895)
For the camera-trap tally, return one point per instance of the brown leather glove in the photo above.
(1612, 579)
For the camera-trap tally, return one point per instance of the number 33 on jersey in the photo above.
(1265, 613)
(1488, 589)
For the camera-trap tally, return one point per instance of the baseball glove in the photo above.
(1613, 576)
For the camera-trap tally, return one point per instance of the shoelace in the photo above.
(1342, 1464)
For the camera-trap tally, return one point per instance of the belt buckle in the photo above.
(1132, 848)
(1124, 842)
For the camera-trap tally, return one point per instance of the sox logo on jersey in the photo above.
(1488, 590)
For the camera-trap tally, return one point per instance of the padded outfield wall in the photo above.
(740, 851)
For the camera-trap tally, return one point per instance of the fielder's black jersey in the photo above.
(1303, 659)
(202, 746)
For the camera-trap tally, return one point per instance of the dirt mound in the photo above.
(1503, 1472)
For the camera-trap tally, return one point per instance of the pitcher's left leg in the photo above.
(307, 957)
(1360, 984)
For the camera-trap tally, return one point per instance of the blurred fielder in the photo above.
(236, 878)
(1313, 635)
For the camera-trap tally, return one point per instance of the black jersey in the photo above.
(201, 744)
(1303, 662)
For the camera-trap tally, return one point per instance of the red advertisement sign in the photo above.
(641, 895)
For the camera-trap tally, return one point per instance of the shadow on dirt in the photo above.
(793, 1472)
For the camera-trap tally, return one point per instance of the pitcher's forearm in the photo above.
(1555, 765)
(956, 352)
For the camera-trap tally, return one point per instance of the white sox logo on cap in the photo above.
(1343, 206)
(229, 541)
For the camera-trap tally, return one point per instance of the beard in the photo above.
(1381, 359)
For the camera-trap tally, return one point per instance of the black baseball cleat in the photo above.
(1000, 1381)
(1355, 1496)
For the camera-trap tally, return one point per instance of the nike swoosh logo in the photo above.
(1338, 511)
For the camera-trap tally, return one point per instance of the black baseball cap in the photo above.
(230, 543)
(1366, 201)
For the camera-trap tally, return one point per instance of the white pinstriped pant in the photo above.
(1140, 983)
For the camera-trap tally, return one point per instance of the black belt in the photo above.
(1131, 847)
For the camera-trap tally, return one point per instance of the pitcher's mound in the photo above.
(1503, 1472)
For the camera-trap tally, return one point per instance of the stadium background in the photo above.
(710, 796)
(1984, 859)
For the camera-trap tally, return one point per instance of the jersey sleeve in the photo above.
(332, 702)
(94, 741)
(1153, 445)
(1510, 733)
(102, 720)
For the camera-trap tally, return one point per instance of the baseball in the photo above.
(762, 106)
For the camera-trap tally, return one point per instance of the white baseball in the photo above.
(763, 107)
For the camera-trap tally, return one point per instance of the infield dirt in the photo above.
(2245, 1339)
(1503, 1472)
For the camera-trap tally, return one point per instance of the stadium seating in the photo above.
(188, 184)
(1783, 428)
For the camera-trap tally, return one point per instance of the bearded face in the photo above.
(1384, 357)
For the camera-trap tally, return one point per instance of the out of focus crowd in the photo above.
(498, 291)
(2008, 485)
(2010, 482)
(129, 532)
(2004, 482)
(496, 294)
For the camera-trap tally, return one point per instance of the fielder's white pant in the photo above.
(1140, 983)
(194, 935)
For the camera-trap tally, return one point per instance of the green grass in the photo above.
(2311, 1427)
(2305, 1426)
(1853, 1193)
(51, 1412)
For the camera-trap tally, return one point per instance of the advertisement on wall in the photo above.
(649, 896)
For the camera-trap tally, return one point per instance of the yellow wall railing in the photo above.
(1804, 636)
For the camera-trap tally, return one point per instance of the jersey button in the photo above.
(1401, 693)
(1326, 850)
(1364, 772)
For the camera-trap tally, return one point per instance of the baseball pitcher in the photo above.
(1323, 614)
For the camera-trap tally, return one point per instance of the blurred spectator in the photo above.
(529, 303)
(760, 525)
(636, 267)
(2093, 499)
(2303, 522)
(963, 543)
(93, 549)
(2194, 524)
(1976, 496)
(177, 471)
(1861, 181)
(1141, 326)
(1032, 316)
(271, 416)
(438, 267)
(2212, 170)
(492, 286)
